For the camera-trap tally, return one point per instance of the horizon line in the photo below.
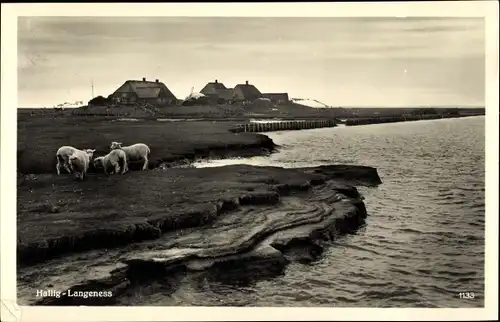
(345, 106)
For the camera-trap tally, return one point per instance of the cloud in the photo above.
(310, 56)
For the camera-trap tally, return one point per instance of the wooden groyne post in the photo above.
(286, 125)
(401, 118)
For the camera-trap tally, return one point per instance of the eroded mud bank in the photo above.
(229, 223)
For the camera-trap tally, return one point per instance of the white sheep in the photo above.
(135, 152)
(79, 162)
(112, 160)
(64, 153)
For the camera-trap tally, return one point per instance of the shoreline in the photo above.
(242, 211)
(400, 119)
(158, 221)
(57, 214)
(240, 114)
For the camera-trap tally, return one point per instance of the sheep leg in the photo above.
(117, 168)
(145, 166)
(66, 164)
(70, 167)
(58, 168)
(125, 164)
(125, 168)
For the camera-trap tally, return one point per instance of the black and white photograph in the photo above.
(251, 161)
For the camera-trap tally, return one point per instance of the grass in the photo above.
(56, 214)
(238, 111)
(205, 111)
(39, 137)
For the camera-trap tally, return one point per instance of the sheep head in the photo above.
(90, 152)
(115, 145)
(98, 163)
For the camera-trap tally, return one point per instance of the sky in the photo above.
(359, 62)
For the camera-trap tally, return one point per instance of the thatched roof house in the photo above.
(135, 91)
(212, 87)
(218, 89)
(246, 92)
(226, 94)
(276, 97)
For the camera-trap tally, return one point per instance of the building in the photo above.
(226, 95)
(218, 91)
(134, 92)
(98, 101)
(246, 93)
(278, 98)
(212, 87)
(213, 98)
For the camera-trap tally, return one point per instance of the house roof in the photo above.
(226, 94)
(249, 91)
(219, 89)
(146, 89)
(276, 96)
(213, 87)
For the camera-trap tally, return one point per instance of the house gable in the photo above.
(133, 90)
(238, 93)
(213, 87)
(148, 90)
(219, 90)
(276, 97)
(226, 94)
(125, 88)
(246, 92)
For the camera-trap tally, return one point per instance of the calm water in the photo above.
(424, 238)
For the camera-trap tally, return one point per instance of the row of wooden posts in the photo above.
(395, 119)
(285, 125)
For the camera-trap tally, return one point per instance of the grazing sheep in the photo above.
(79, 162)
(112, 160)
(63, 154)
(135, 152)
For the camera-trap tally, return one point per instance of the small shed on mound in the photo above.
(135, 91)
(198, 99)
(262, 103)
(246, 92)
(98, 101)
(277, 97)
